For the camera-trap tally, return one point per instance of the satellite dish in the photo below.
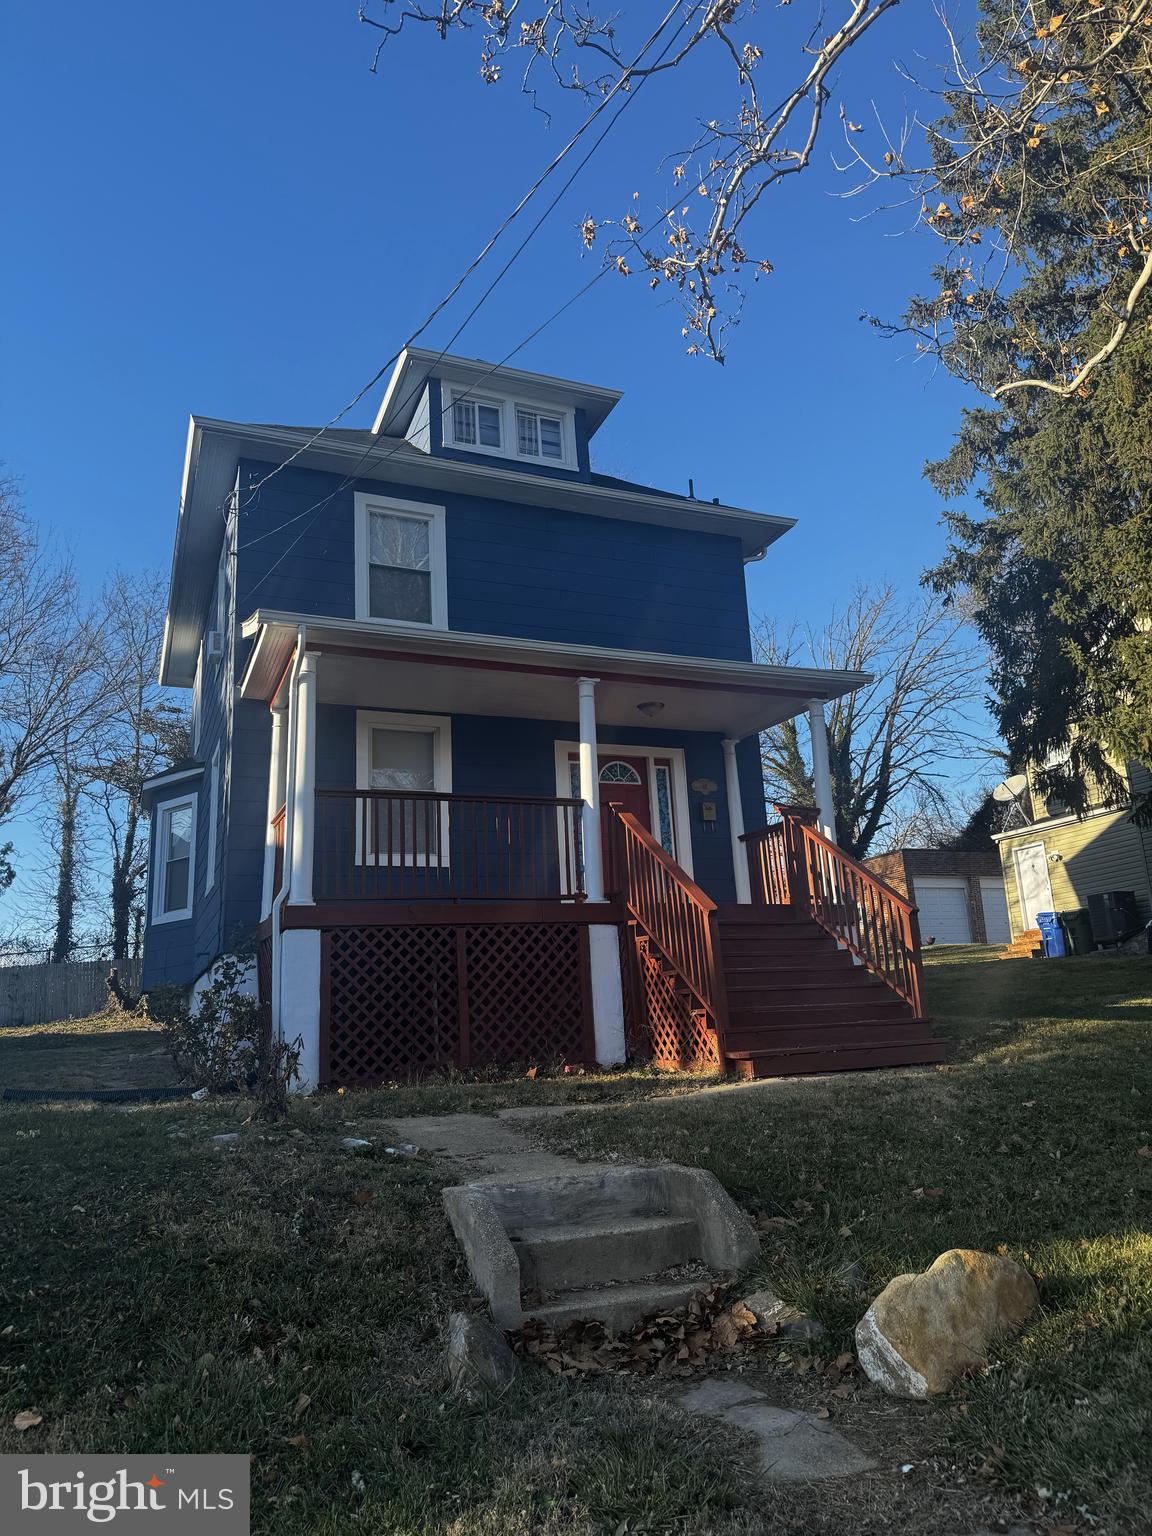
(1011, 789)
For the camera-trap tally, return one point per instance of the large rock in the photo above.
(923, 1331)
(477, 1355)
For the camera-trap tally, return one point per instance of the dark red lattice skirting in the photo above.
(666, 1024)
(397, 1000)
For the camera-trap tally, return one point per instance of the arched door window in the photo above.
(619, 773)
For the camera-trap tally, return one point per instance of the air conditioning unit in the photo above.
(215, 644)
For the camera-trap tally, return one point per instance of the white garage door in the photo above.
(995, 904)
(943, 911)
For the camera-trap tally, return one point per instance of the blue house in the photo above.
(475, 756)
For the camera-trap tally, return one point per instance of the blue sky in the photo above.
(220, 209)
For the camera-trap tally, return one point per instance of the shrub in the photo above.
(224, 1042)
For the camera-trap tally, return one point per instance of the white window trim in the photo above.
(681, 815)
(159, 863)
(437, 726)
(436, 517)
(213, 821)
(509, 436)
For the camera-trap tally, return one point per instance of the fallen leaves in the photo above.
(676, 1343)
(301, 1405)
(27, 1418)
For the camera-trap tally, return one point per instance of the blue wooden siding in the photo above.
(493, 755)
(512, 570)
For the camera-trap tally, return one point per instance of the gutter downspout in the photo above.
(289, 820)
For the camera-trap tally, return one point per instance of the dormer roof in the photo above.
(415, 366)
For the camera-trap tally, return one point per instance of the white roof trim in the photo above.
(813, 681)
(1037, 829)
(163, 780)
(416, 365)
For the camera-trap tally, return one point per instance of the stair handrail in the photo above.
(883, 931)
(676, 917)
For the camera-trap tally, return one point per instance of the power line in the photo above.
(488, 245)
(353, 474)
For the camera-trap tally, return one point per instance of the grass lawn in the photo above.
(109, 1050)
(275, 1295)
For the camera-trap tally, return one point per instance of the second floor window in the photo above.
(400, 561)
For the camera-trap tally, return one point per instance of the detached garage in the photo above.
(960, 893)
(943, 907)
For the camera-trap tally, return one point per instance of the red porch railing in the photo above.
(278, 847)
(384, 845)
(673, 913)
(792, 862)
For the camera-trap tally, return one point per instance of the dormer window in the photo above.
(510, 428)
(476, 423)
(539, 436)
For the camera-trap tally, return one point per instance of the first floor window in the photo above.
(475, 423)
(405, 758)
(175, 844)
(400, 554)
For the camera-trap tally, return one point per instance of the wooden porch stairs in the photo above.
(1026, 946)
(821, 972)
(797, 1003)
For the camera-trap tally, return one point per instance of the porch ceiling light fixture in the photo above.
(650, 707)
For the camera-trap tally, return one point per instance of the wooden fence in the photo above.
(41, 994)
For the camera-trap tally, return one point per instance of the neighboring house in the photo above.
(1054, 861)
(475, 754)
(960, 893)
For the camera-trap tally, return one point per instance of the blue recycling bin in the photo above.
(1051, 935)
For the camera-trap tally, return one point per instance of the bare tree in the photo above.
(141, 734)
(49, 687)
(889, 741)
(722, 156)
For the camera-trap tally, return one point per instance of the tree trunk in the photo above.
(124, 887)
(64, 938)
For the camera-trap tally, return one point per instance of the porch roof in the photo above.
(453, 672)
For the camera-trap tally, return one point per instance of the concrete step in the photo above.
(591, 1252)
(846, 1059)
(618, 1306)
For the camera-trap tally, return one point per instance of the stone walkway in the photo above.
(791, 1446)
(488, 1148)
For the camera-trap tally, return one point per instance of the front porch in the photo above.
(428, 904)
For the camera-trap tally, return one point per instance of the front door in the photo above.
(624, 781)
(1032, 882)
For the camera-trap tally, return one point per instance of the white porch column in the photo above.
(736, 823)
(300, 1001)
(821, 772)
(603, 938)
(590, 792)
(304, 806)
(277, 784)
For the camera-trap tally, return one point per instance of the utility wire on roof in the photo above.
(317, 507)
(505, 224)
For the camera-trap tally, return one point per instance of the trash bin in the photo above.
(1078, 931)
(1051, 934)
